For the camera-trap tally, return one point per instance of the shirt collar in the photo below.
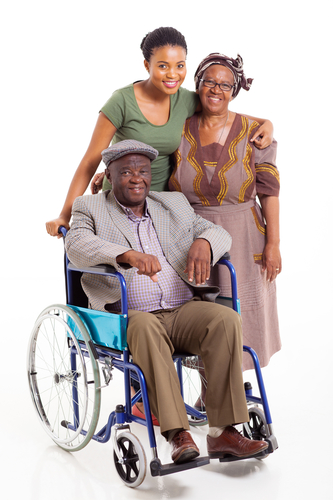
(131, 215)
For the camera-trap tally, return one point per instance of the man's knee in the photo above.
(226, 322)
(230, 317)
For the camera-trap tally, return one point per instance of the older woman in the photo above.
(222, 174)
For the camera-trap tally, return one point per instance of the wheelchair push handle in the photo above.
(62, 230)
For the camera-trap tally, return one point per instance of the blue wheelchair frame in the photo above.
(103, 348)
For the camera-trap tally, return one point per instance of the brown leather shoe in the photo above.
(184, 448)
(231, 442)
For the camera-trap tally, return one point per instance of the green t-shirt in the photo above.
(123, 111)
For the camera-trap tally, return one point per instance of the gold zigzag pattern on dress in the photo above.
(232, 160)
(253, 125)
(261, 228)
(210, 163)
(191, 159)
(173, 179)
(247, 168)
(266, 167)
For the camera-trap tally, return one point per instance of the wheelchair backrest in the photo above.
(75, 295)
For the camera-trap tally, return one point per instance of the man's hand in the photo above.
(198, 261)
(146, 264)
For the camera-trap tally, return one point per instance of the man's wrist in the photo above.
(123, 258)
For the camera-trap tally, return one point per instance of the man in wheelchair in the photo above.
(165, 253)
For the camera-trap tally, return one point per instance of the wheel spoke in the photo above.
(53, 378)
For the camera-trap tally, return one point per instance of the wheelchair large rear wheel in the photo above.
(194, 388)
(64, 377)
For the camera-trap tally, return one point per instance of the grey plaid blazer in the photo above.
(100, 232)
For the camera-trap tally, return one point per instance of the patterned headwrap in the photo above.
(235, 66)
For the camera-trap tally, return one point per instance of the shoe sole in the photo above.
(186, 456)
(246, 455)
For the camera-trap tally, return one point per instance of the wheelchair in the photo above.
(72, 353)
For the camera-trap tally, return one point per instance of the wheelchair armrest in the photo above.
(226, 256)
(102, 269)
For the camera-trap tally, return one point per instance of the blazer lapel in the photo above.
(120, 220)
(161, 220)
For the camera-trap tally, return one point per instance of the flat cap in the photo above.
(128, 147)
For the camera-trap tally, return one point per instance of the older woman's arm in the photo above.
(271, 260)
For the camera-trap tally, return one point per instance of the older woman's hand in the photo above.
(271, 261)
(264, 135)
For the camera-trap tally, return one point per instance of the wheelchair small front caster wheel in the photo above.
(257, 427)
(131, 464)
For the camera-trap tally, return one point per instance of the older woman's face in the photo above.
(214, 100)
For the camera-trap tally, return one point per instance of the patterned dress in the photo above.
(221, 183)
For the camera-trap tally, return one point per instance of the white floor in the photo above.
(297, 382)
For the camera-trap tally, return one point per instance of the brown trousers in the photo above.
(210, 330)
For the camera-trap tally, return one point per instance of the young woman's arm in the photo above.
(264, 135)
(101, 138)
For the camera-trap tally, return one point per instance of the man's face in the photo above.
(130, 177)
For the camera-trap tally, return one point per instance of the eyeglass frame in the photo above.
(218, 84)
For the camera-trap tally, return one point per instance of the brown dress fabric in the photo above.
(221, 183)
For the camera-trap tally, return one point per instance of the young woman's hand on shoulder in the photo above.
(264, 135)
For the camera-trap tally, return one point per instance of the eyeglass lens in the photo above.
(211, 84)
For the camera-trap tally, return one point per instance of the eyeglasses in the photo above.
(225, 87)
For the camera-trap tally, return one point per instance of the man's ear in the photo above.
(108, 174)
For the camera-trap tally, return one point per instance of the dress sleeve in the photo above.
(114, 109)
(267, 174)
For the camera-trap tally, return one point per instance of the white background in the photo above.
(60, 62)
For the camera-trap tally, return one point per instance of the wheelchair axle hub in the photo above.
(68, 377)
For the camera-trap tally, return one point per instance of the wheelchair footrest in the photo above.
(157, 469)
